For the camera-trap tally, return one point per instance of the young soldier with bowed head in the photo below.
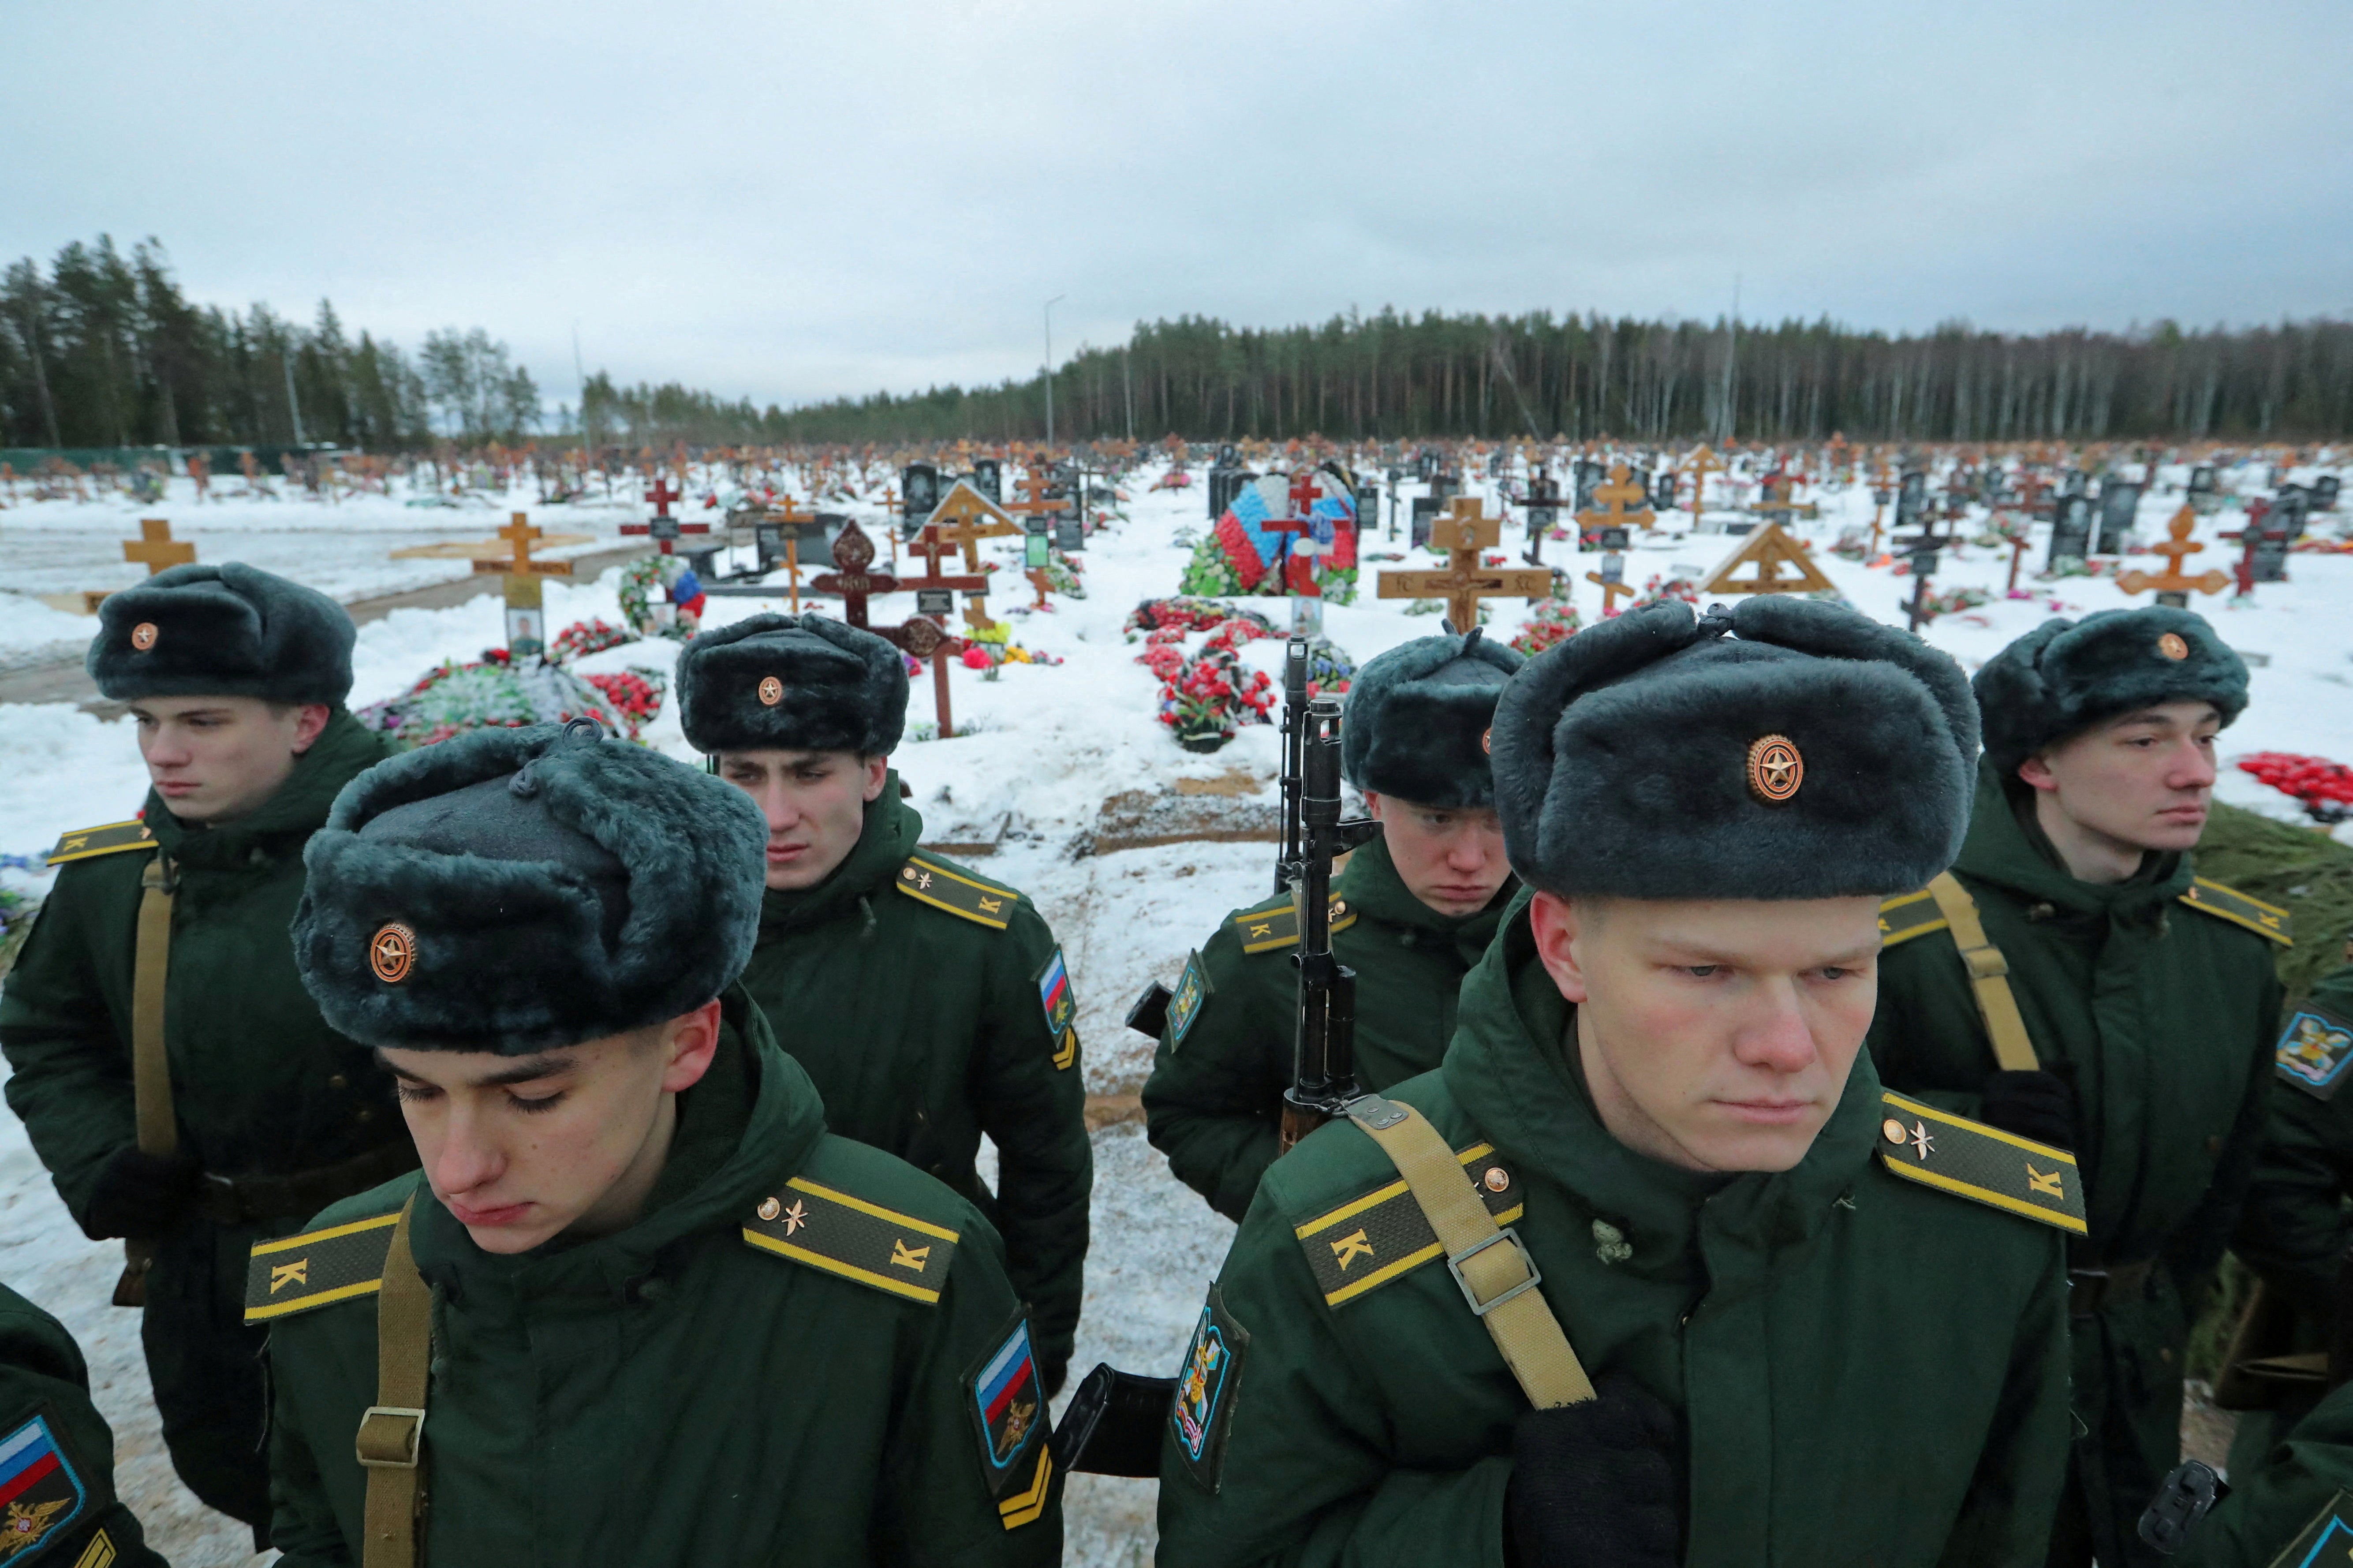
(2073, 981)
(163, 946)
(929, 1004)
(641, 1307)
(1650, 1271)
(1412, 912)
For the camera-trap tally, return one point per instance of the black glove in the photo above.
(1051, 1372)
(1597, 1484)
(141, 1194)
(2037, 1105)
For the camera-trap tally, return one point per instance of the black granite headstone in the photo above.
(2120, 503)
(988, 478)
(2071, 531)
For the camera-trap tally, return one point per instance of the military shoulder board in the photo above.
(1274, 927)
(1971, 1160)
(830, 1230)
(2230, 904)
(1371, 1240)
(85, 843)
(1908, 915)
(2313, 1050)
(944, 887)
(317, 1268)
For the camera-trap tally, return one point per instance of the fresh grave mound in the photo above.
(1243, 555)
(494, 691)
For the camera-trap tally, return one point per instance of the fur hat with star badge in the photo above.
(787, 683)
(230, 630)
(2065, 676)
(1783, 749)
(1416, 719)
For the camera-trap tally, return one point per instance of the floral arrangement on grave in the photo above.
(1210, 696)
(1551, 623)
(1063, 575)
(1853, 545)
(1244, 556)
(1952, 600)
(660, 597)
(1660, 587)
(494, 690)
(2325, 789)
(1186, 612)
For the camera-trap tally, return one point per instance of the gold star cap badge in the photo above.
(772, 692)
(1775, 769)
(144, 635)
(392, 952)
(2173, 646)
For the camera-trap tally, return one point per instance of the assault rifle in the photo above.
(1324, 1053)
(1294, 724)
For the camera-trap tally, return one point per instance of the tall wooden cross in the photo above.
(662, 528)
(526, 622)
(2173, 585)
(965, 517)
(1700, 464)
(1462, 531)
(1610, 588)
(156, 549)
(1034, 502)
(925, 639)
(1615, 494)
(853, 553)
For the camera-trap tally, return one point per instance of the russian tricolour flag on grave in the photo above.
(1253, 549)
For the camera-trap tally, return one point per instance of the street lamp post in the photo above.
(1050, 367)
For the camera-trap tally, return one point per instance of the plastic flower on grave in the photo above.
(2324, 788)
(976, 657)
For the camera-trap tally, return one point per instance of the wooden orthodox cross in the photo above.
(1462, 531)
(2173, 585)
(853, 553)
(662, 528)
(925, 639)
(156, 549)
(1701, 463)
(1615, 511)
(520, 574)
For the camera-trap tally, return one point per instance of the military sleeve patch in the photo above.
(2313, 1051)
(1192, 990)
(2327, 1539)
(41, 1493)
(839, 1233)
(296, 1273)
(2230, 904)
(1971, 1160)
(1007, 1398)
(1371, 1240)
(83, 843)
(1274, 927)
(943, 888)
(1061, 1005)
(1908, 915)
(1203, 1408)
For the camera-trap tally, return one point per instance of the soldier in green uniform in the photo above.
(1650, 1270)
(2296, 1230)
(2073, 981)
(176, 1080)
(1412, 912)
(639, 1307)
(930, 1004)
(2293, 1509)
(57, 1454)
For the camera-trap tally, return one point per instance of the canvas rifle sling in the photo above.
(150, 1065)
(391, 1443)
(1989, 975)
(1495, 1273)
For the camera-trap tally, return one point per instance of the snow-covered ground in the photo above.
(1037, 753)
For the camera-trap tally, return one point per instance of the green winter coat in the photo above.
(2296, 1229)
(2301, 1495)
(2161, 1015)
(56, 1453)
(911, 988)
(674, 1393)
(1214, 1101)
(1868, 1370)
(261, 1086)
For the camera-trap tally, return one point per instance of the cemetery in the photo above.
(1095, 636)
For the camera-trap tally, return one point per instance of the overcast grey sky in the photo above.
(789, 201)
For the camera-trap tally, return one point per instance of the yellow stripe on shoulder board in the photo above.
(1971, 1160)
(840, 1234)
(944, 887)
(1908, 915)
(2230, 904)
(1272, 926)
(114, 838)
(317, 1268)
(1370, 1240)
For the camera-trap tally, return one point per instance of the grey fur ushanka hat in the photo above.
(792, 684)
(2064, 676)
(222, 631)
(1416, 719)
(517, 891)
(1785, 749)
